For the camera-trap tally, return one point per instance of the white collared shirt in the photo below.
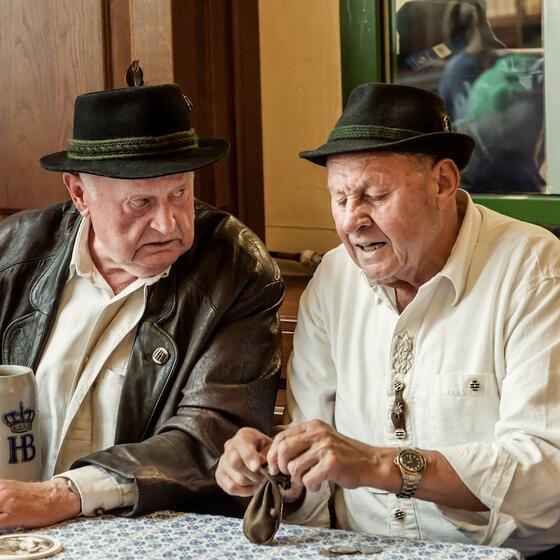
(81, 372)
(478, 350)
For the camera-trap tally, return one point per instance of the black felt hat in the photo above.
(394, 118)
(135, 133)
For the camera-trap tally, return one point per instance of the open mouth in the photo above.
(371, 247)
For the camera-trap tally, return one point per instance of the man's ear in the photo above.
(447, 176)
(75, 187)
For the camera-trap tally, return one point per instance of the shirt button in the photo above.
(160, 355)
(475, 385)
(400, 433)
(399, 514)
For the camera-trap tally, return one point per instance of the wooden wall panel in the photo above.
(50, 51)
(248, 126)
(53, 50)
(151, 39)
(119, 48)
(216, 62)
(202, 40)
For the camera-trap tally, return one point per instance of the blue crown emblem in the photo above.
(19, 421)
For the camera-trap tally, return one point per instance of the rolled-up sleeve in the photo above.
(518, 473)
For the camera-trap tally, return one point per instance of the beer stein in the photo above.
(20, 445)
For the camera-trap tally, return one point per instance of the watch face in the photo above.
(412, 461)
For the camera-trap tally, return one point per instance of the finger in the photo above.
(251, 458)
(310, 430)
(251, 446)
(230, 486)
(232, 465)
(245, 477)
(279, 439)
(314, 477)
(289, 449)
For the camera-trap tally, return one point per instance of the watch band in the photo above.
(409, 487)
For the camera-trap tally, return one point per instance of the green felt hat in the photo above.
(394, 118)
(135, 133)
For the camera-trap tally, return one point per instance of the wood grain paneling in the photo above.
(118, 37)
(50, 51)
(216, 62)
(53, 50)
(248, 127)
(151, 39)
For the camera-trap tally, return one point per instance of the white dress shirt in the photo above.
(478, 350)
(80, 376)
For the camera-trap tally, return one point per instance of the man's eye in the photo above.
(375, 198)
(139, 203)
(178, 193)
(341, 202)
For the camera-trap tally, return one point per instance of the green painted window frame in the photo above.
(367, 55)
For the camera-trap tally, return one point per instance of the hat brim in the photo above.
(453, 145)
(209, 151)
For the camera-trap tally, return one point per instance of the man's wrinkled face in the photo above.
(141, 226)
(385, 211)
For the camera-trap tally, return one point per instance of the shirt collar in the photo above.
(82, 265)
(458, 263)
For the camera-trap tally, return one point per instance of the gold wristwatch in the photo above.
(412, 464)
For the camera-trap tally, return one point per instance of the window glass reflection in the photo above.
(485, 59)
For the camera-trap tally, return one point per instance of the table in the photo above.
(188, 535)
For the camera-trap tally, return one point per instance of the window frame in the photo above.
(368, 54)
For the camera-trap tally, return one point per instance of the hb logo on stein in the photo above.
(21, 447)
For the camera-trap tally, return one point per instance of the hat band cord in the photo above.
(355, 131)
(117, 148)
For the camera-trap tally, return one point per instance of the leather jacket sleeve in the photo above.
(231, 383)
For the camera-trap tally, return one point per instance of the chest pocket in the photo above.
(463, 407)
(105, 403)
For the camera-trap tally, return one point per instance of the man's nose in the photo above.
(163, 220)
(355, 217)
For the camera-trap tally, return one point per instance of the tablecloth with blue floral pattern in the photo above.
(188, 536)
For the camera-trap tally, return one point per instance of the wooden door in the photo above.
(53, 50)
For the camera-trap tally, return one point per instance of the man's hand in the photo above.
(36, 504)
(313, 452)
(238, 469)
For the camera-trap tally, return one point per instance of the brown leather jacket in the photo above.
(216, 315)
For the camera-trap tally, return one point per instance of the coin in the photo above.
(342, 550)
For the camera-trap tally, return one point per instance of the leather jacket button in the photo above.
(160, 355)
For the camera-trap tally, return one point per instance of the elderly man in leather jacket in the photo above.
(149, 318)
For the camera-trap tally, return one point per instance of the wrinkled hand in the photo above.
(312, 452)
(36, 504)
(238, 469)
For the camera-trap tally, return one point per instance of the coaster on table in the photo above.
(25, 546)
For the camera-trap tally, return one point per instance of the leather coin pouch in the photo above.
(264, 512)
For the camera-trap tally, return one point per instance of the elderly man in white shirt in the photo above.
(423, 386)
